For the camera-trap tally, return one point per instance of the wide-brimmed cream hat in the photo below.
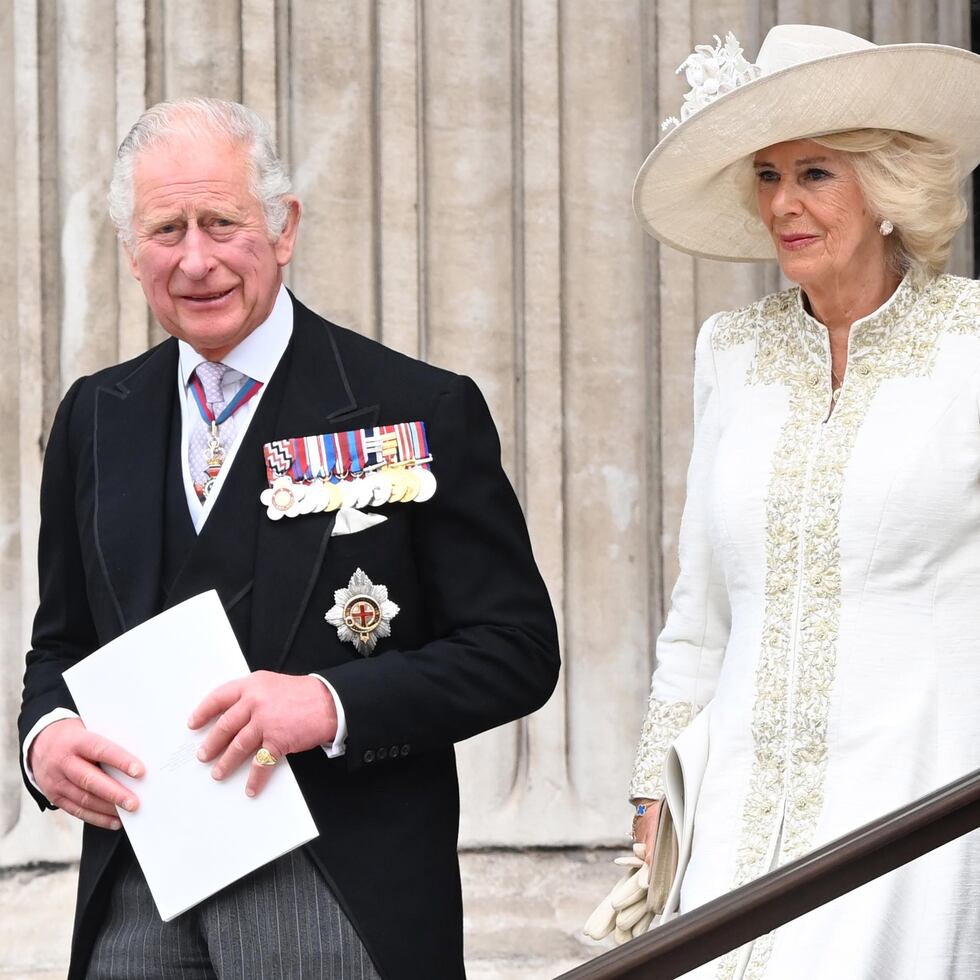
(691, 191)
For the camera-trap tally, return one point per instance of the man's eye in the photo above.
(168, 232)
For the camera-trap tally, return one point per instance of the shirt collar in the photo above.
(258, 355)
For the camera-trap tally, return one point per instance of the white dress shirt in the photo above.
(257, 357)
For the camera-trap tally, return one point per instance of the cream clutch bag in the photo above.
(648, 895)
(663, 868)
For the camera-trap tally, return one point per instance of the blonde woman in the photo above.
(828, 605)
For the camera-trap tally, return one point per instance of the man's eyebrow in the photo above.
(802, 162)
(229, 212)
(163, 218)
(180, 216)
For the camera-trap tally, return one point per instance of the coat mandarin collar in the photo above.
(908, 292)
(869, 333)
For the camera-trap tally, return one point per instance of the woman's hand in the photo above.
(645, 828)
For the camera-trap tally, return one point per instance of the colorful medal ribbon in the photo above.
(347, 455)
(357, 468)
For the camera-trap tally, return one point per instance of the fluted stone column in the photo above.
(465, 169)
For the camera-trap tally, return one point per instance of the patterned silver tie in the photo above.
(204, 461)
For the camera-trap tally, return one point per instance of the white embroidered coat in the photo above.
(829, 605)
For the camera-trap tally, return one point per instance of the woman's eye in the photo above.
(767, 176)
(815, 173)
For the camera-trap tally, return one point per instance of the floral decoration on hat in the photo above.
(712, 72)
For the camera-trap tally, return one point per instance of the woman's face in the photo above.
(810, 200)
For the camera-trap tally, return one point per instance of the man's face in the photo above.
(202, 252)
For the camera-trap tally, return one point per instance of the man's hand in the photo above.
(279, 712)
(65, 759)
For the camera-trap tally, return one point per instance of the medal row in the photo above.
(357, 469)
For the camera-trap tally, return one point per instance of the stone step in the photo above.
(523, 914)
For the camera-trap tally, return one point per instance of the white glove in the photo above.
(624, 912)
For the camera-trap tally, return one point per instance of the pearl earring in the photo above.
(886, 227)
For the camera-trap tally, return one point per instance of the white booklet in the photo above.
(192, 835)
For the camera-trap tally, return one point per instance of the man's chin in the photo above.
(211, 340)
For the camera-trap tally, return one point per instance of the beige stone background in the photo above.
(465, 167)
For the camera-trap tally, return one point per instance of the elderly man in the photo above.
(151, 494)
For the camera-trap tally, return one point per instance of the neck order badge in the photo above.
(360, 468)
(214, 454)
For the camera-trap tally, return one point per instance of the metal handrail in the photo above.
(762, 905)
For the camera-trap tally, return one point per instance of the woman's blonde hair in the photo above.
(913, 182)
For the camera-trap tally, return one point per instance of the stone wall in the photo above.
(466, 170)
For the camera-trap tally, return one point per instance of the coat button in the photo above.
(369, 756)
(393, 752)
(382, 754)
(406, 749)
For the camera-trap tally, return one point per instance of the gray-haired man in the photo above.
(142, 508)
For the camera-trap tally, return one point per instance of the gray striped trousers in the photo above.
(280, 923)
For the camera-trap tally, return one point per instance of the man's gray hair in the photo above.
(207, 117)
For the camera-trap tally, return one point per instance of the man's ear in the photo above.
(133, 265)
(286, 241)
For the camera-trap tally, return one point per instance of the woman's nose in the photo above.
(785, 199)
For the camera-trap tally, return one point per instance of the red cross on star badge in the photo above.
(362, 613)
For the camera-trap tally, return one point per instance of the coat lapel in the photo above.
(131, 437)
(289, 553)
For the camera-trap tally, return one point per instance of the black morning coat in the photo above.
(474, 645)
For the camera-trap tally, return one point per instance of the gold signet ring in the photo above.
(265, 758)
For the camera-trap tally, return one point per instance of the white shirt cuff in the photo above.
(59, 714)
(339, 744)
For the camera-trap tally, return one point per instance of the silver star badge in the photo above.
(362, 613)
